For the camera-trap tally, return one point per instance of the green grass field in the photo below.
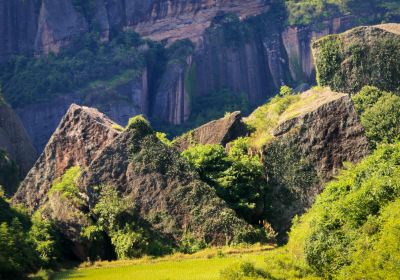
(205, 265)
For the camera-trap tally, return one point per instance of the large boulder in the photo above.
(81, 135)
(221, 131)
(363, 56)
(312, 139)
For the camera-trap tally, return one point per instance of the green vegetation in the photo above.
(237, 177)
(380, 114)
(285, 106)
(25, 245)
(204, 265)
(28, 79)
(351, 231)
(347, 67)
(304, 12)
(66, 185)
(115, 218)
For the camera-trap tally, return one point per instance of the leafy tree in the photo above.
(116, 217)
(237, 177)
(43, 235)
(285, 91)
(17, 252)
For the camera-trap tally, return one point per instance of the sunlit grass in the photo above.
(206, 265)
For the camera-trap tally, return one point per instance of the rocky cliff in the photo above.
(166, 193)
(44, 26)
(220, 132)
(360, 57)
(81, 135)
(119, 102)
(253, 66)
(307, 145)
(16, 145)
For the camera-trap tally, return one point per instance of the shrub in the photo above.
(237, 177)
(44, 236)
(366, 98)
(382, 120)
(345, 214)
(17, 252)
(243, 271)
(67, 187)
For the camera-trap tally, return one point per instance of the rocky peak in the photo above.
(220, 131)
(314, 137)
(81, 135)
(366, 55)
(162, 187)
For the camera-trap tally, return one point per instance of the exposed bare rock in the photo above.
(18, 26)
(172, 102)
(15, 140)
(173, 20)
(309, 149)
(298, 39)
(81, 135)
(220, 131)
(161, 184)
(119, 103)
(58, 22)
(165, 191)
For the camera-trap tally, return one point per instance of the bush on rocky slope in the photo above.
(351, 232)
(380, 114)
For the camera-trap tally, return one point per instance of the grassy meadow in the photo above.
(204, 265)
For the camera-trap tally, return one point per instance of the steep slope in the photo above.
(220, 131)
(119, 102)
(161, 184)
(86, 155)
(16, 148)
(360, 57)
(82, 133)
(305, 139)
(252, 67)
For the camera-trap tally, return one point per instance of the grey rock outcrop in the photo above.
(308, 150)
(220, 131)
(119, 103)
(81, 135)
(162, 187)
(255, 68)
